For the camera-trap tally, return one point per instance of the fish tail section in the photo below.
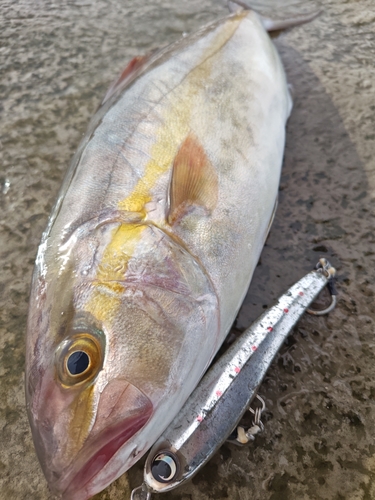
(237, 6)
(270, 24)
(280, 25)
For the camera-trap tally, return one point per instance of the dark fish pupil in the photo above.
(78, 362)
(161, 470)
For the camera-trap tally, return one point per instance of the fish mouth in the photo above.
(114, 439)
(78, 473)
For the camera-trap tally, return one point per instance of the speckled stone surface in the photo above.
(56, 61)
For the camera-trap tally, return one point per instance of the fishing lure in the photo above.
(226, 391)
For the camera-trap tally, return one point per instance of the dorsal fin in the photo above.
(132, 70)
(194, 180)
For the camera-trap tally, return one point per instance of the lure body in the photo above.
(226, 391)
(151, 247)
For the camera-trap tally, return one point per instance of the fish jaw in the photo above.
(122, 410)
(107, 444)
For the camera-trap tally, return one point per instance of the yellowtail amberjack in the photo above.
(151, 247)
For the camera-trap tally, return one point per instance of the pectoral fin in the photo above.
(194, 180)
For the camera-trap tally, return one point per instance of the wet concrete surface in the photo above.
(56, 61)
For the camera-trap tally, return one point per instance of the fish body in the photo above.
(151, 247)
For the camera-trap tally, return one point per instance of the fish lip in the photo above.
(77, 481)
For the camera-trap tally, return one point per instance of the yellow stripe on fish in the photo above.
(106, 297)
(172, 134)
(174, 141)
(176, 124)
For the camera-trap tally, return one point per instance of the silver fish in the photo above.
(151, 247)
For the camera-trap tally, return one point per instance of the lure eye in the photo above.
(79, 359)
(164, 467)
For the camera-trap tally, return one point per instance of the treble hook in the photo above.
(325, 267)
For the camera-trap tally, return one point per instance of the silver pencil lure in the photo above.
(219, 401)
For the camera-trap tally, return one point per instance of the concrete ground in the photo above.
(56, 61)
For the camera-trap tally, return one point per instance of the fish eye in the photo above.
(79, 359)
(164, 467)
(77, 362)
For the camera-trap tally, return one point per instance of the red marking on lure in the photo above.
(199, 418)
(237, 369)
(254, 348)
(219, 393)
(270, 328)
(301, 294)
(286, 310)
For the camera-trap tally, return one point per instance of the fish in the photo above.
(151, 246)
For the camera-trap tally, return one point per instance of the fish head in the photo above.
(107, 353)
(83, 405)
